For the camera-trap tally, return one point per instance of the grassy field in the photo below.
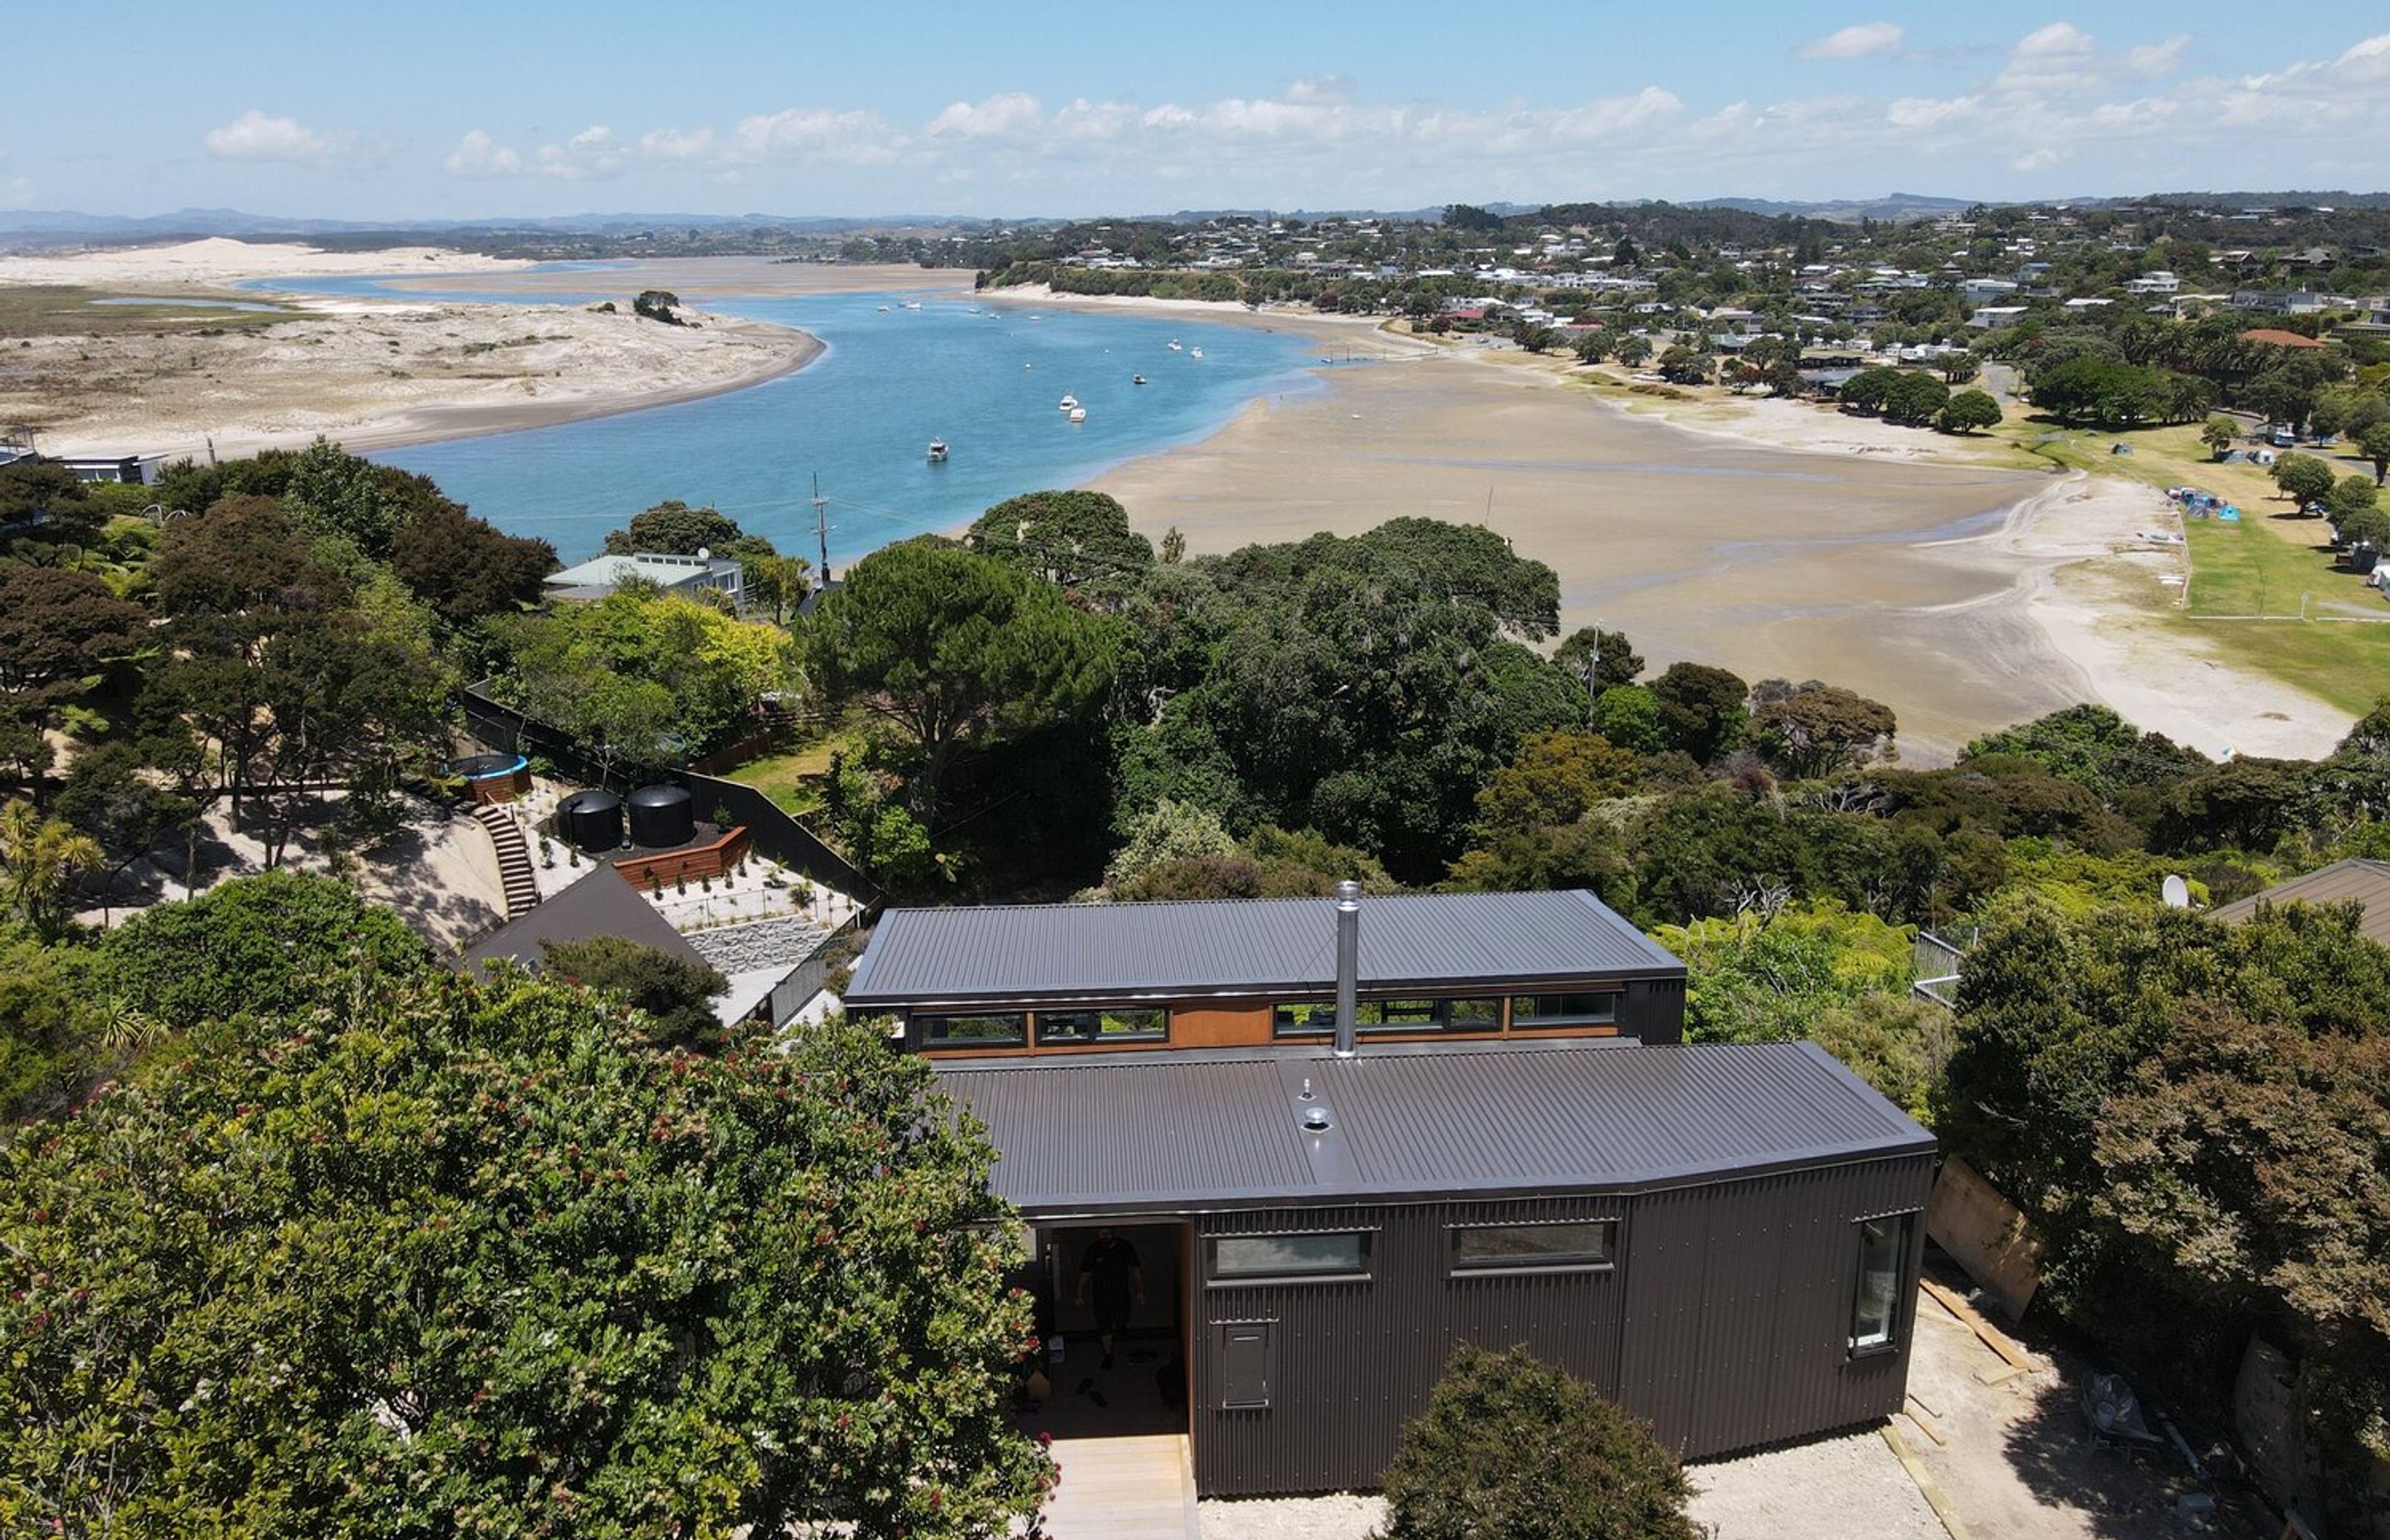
(2271, 563)
(55, 310)
(792, 777)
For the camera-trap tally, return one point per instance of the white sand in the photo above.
(219, 261)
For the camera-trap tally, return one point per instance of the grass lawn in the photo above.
(791, 778)
(2267, 564)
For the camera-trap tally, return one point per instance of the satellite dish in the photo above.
(2176, 891)
(704, 554)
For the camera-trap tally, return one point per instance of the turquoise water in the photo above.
(862, 414)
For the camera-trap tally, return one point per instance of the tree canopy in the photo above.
(447, 1258)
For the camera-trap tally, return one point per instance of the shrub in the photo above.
(1513, 1446)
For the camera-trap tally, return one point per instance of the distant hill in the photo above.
(1892, 209)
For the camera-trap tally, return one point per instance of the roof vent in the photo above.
(1308, 1094)
(1314, 1119)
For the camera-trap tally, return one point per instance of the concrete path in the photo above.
(1136, 1488)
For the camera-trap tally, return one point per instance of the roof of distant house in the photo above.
(1243, 946)
(2354, 881)
(654, 567)
(599, 904)
(2279, 338)
(1118, 1133)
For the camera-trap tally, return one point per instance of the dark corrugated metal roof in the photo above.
(599, 904)
(2354, 881)
(1126, 1132)
(1242, 946)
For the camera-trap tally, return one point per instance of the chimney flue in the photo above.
(1348, 966)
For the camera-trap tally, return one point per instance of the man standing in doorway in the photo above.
(1110, 1274)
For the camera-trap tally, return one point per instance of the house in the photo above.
(685, 575)
(1983, 291)
(2275, 338)
(2357, 880)
(1343, 1135)
(129, 470)
(2160, 283)
(1992, 317)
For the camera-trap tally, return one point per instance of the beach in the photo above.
(1778, 540)
(370, 373)
(1965, 597)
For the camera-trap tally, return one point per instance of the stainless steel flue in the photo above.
(1348, 966)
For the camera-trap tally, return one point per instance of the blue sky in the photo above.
(439, 108)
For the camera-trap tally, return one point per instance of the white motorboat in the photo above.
(1195, 352)
(1069, 401)
(1078, 414)
(883, 310)
(1136, 380)
(1174, 344)
(937, 450)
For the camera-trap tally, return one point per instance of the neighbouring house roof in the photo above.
(1130, 1133)
(1243, 947)
(606, 573)
(2279, 338)
(599, 904)
(2354, 881)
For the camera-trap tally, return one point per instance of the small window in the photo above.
(1295, 1019)
(1514, 1248)
(990, 1030)
(1109, 1025)
(1339, 1254)
(1883, 1269)
(1564, 1010)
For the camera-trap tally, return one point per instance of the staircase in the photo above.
(514, 858)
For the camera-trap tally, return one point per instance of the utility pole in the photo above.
(1592, 676)
(821, 526)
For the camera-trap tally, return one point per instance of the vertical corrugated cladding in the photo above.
(1739, 1305)
(1353, 1359)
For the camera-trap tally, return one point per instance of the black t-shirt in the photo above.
(1109, 1264)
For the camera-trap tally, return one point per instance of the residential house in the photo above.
(1344, 1136)
(685, 575)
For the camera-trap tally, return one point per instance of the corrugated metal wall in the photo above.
(1726, 1323)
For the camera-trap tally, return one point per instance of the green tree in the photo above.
(1684, 366)
(2092, 746)
(1509, 1445)
(1591, 347)
(1968, 411)
(1915, 398)
(2219, 435)
(1166, 832)
(453, 1259)
(1701, 708)
(1633, 350)
(1078, 540)
(48, 1029)
(2304, 479)
(43, 502)
(675, 994)
(1632, 717)
(42, 861)
(270, 944)
(328, 492)
(2352, 495)
(2374, 445)
(1600, 656)
(1814, 729)
(955, 650)
(658, 304)
(1534, 337)
(1556, 778)
(467, 568)
(672, 528)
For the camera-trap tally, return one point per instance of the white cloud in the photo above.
(255, 137)
(811, 135)
(2037, 160)
(1931, 112)
(1858, 41)
(593, 154)
(1011, 116)
(479, 155)
(672, 143)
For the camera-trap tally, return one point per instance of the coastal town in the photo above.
(1626, 869)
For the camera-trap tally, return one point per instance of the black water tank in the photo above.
(663, 817)
(593, 820)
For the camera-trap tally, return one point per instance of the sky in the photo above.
(444, 109)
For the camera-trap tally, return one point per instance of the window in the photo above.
(1516, 1248)
(1294, 1018)
(1338, 1254)
(1112, 1024)
(992, 1030)
(1884, 1268)
(1564, 1010)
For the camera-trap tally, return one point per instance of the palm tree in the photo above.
(42, 859)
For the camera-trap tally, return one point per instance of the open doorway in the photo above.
(1131, 1279)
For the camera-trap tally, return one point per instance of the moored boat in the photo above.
(937, 450)
(1078, 414)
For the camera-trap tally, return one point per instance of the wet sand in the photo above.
(1898, 580)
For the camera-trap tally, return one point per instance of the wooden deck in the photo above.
(1132, 1488)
